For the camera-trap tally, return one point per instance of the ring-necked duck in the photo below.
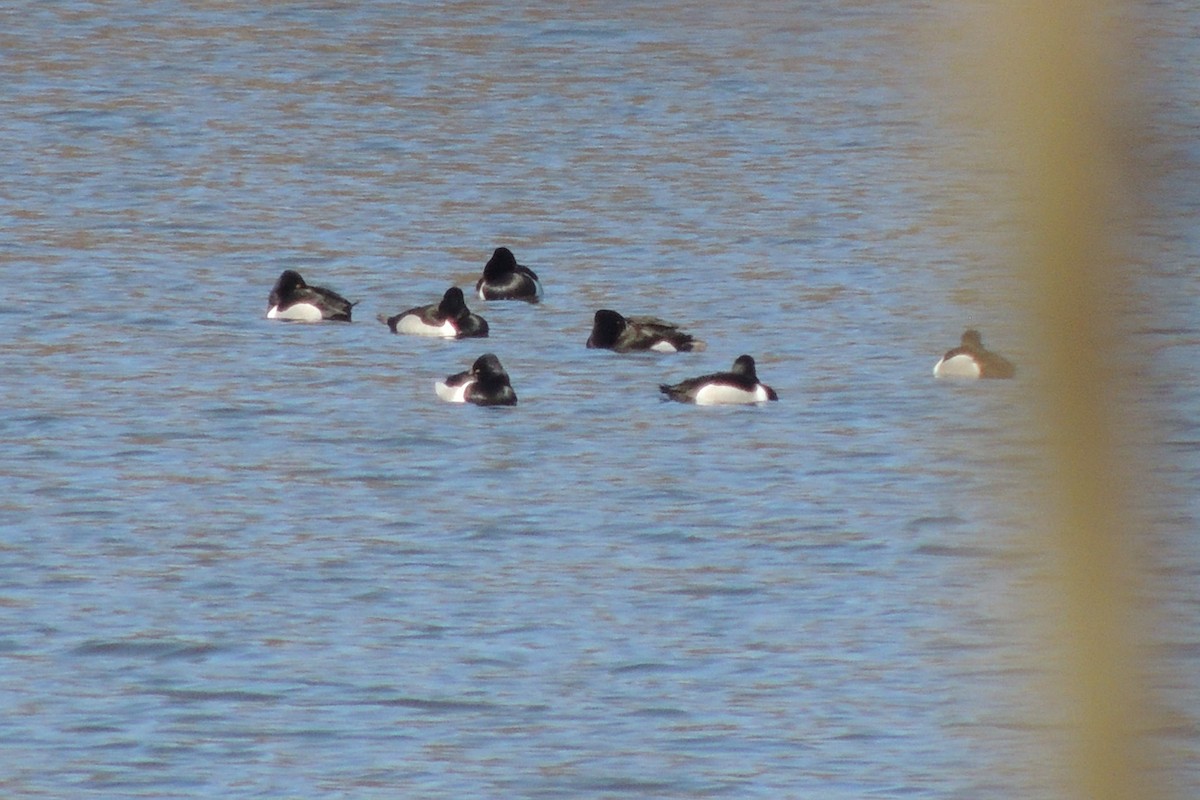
(484, 384)
(972, 360)
(294, 299)
(739, 385)
(611, 331)
(450, 319)
(504, 279)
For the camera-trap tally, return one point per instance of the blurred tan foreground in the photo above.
(1048, 81)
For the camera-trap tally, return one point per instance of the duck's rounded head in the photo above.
(502, 262)
(607, 326)
(744, 365)
(487, 365)
(289, 281)
(453, 304)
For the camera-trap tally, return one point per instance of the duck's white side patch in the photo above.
(664, 347)
(301, 312)
(452, 394)
(716, 394)
(959, 366)
(412, 323)
(482, 291)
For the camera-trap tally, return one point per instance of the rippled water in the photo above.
(242, 557)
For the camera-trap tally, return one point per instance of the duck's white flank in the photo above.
(716, 394)
(411, 323)
(959, 366)
(301, 312)
(537, 285)
(452, 394)
(664, 347)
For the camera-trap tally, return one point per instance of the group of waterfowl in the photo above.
(486, 382)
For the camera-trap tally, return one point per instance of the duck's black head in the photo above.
(488, 366)
(606, 327)
(744, 365)
(289, 281)
(502, 262)
(453, 303)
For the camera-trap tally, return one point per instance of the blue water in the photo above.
(248, 558)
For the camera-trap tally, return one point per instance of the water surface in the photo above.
(242, 557)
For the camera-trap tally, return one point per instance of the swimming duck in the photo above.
(504, 279)
(611, 331)
(450, 319)
(294, 299)
(739, 385)
(484, 384)
(972, 360)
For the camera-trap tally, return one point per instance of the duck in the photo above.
(484, 384)
(972, 360)
(504, 279)
(450, 319)
(739, 385)
(611, 331)
(293, 299)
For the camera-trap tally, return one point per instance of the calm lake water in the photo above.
(249, 558)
